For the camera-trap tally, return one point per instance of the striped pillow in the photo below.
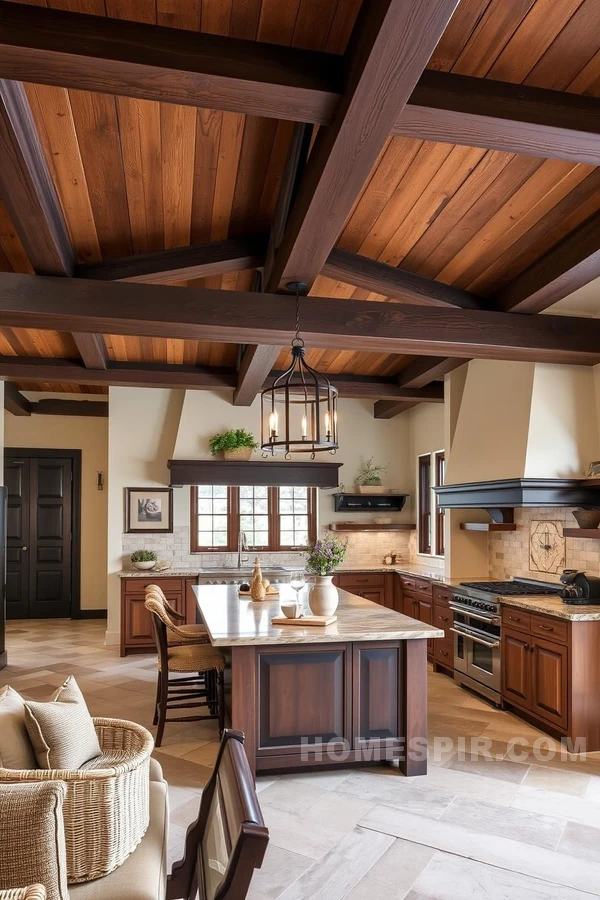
(62, 731)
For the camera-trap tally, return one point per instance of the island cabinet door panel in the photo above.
(377, 713)
(549, 681)
(516, 668)
(304, 697)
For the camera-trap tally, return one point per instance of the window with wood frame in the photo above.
(272, 518)
(440, 472)
(424, 494)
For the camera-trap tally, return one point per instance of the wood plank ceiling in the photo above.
(135, 176)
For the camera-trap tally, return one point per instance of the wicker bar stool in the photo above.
(199, 662)
(177, 633)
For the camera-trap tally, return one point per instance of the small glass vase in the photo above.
(323, 597)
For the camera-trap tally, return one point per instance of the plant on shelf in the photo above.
(368, 480)
(322, 559)
(144, 559)
(237, 443)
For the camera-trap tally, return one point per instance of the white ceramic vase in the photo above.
(323, 596)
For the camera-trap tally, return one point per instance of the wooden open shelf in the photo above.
(369, 526)
(488, 526)
(592, 533)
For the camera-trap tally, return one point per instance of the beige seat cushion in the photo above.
(32, 837)
(156, 772)
(16, 750)
(62, 731)
(143, 876)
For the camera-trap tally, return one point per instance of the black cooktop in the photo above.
(512, 588)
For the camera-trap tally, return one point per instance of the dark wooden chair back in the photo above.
(227, 842)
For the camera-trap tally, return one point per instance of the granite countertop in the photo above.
(553, 606)
(181, 572)
(234, 621)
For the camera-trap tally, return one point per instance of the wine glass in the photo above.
(298, 581)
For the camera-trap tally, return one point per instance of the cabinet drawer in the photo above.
(549, 627)
(442, 618)
(516, 618)
(443, 652)
(420, 585)
(361, 579)
(139, 585)
(441, 595)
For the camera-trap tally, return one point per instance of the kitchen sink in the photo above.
(244, 570)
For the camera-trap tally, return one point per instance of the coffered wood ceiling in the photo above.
(509, 228)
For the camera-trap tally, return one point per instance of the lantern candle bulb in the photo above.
(304, 427)
(273, 422)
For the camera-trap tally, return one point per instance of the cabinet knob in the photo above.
(23, 548)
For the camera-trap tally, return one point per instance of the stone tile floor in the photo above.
(472, 828)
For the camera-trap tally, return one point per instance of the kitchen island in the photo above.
(312, 697)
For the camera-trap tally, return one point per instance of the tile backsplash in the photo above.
(509, 551)
(364, 548)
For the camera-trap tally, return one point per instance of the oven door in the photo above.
(477, 649)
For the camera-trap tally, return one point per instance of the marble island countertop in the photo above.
(232, 620)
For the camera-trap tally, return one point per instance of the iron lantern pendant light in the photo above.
(299, 410)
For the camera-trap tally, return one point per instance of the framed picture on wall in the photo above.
(148, 510)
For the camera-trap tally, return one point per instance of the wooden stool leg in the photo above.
(221, 701)
(156, 702)
(162, 708)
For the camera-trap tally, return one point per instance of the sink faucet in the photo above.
(242, 545)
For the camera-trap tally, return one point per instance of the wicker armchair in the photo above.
(106, 804)
(31, 892)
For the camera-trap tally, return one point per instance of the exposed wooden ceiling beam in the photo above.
(115, 56)
(257, 362)
(390, 46)
(254, 318)
(388, 409)
(92, 350)
(15, 402)
(52, 407)
(74, 50)
(181, 263)
(382, 278)
(565, 268)
(426, 369)
(515, 118)
(26, 186)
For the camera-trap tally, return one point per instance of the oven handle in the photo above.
(467, 612)
(477, 640)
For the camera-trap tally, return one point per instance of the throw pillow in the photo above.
(62, 731)
(16, 750)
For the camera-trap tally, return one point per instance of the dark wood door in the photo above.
(516, 668)
(549, 681)
(377, 712)
(39, 538)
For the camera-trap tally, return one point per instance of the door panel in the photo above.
(40, 508)
(516, 665)
(549, 681)
(377, 706)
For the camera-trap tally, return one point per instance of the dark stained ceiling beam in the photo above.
(565, 268)
(115, 56)
(92, 350)
(27, 189)
(515, 118)
(15, 402)
(134, 59)
(51, 407)
(387, 409)
(181, 263)
(424, 370)
(390, 46)
(256, 318)
(382, 278)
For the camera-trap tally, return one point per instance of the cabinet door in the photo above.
(138, 623)
(377, 703)
(516, 668)
(424, 613)
(549, 681)
(376, 595)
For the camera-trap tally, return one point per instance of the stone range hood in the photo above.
(254, 472)
(510, 493)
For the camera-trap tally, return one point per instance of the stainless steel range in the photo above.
(476, 628)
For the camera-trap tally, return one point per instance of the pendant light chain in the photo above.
(297, 342)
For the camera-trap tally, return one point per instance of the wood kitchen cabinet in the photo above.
(417, 602)
(136, 621)
(443, 650)
(374, 586)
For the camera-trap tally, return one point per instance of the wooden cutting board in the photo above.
(304, 620)
(269, 593)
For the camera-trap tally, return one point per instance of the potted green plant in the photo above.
(144, 559)
(237, 443)
(368, 480)
(322, 559)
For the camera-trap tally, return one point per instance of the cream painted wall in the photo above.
(90, 435)
(205, 413)
(142, 428)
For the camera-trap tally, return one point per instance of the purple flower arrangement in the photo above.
(325, 555)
